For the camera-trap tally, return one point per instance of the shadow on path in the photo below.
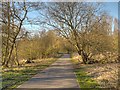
(59, 75)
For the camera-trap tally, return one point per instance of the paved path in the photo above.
(59, 75)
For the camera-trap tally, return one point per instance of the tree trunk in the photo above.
(84, 56)
(9, 56)
(16, 55)
(8, 35)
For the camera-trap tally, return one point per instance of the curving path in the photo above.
(59, 75)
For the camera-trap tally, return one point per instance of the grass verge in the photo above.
(12, 77)
(85, 81)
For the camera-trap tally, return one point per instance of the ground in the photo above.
(14, 76)
(105, 75)
(59, 75)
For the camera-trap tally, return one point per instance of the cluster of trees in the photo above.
(12, 17)
(85, 25)
(17, 43)
(77, 26)
(42, 45)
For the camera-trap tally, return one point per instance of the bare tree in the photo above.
(14, 13)
(74, 21)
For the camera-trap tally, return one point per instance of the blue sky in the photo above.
(111, 7)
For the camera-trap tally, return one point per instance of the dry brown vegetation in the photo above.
(105, 74)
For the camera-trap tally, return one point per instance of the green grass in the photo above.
(12, 78)
(85, 81)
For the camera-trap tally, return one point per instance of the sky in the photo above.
(111, 7)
